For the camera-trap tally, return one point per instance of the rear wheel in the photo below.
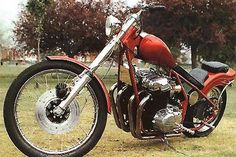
(202, 111)
(29, 119)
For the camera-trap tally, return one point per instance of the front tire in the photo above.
(30, 124)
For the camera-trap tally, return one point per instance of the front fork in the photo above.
(86, 76)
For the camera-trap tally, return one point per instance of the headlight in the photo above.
(112, 25)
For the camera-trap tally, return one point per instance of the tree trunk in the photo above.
(194, 56)
(38, 51)
(39, 30)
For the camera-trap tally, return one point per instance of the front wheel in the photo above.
(202, 111)
(29, 119)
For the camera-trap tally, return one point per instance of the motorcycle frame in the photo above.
(203, 93)
(132, 40)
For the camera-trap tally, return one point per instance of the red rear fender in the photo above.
(102, 85)
(218, 79)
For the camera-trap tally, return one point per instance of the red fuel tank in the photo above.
(155, 51)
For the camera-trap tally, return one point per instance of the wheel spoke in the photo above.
(212, 113)
(68, 78)
(46, 82)
(43, 133)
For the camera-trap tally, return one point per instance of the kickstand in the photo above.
(164, 140)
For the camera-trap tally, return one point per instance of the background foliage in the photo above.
(68, 25)
(208, 27)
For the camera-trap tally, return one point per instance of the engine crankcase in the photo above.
(166, 119)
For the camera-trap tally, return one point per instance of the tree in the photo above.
(37, 8)
(203, 25)
(206, 26)
(68, 25)
(2, 41)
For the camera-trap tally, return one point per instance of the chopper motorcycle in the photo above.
(59, 107)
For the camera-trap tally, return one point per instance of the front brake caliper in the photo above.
(61, 90)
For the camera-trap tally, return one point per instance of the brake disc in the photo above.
(52, 123)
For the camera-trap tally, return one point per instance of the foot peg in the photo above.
(181, 128)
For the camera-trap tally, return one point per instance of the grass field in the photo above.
(114, 142)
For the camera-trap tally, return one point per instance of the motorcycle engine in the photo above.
(152, 81)
(162, 113)
(166, 119)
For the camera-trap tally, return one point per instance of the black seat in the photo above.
(215, 67)
(197, 76)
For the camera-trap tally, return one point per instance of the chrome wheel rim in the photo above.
(213, 95)
(36, 130)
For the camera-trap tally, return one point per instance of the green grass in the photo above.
(115, 142)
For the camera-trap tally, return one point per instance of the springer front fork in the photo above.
(86, 76)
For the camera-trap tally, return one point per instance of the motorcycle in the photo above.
(59, 107)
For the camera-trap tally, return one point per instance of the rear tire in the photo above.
(188, 122)
(26, 144)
